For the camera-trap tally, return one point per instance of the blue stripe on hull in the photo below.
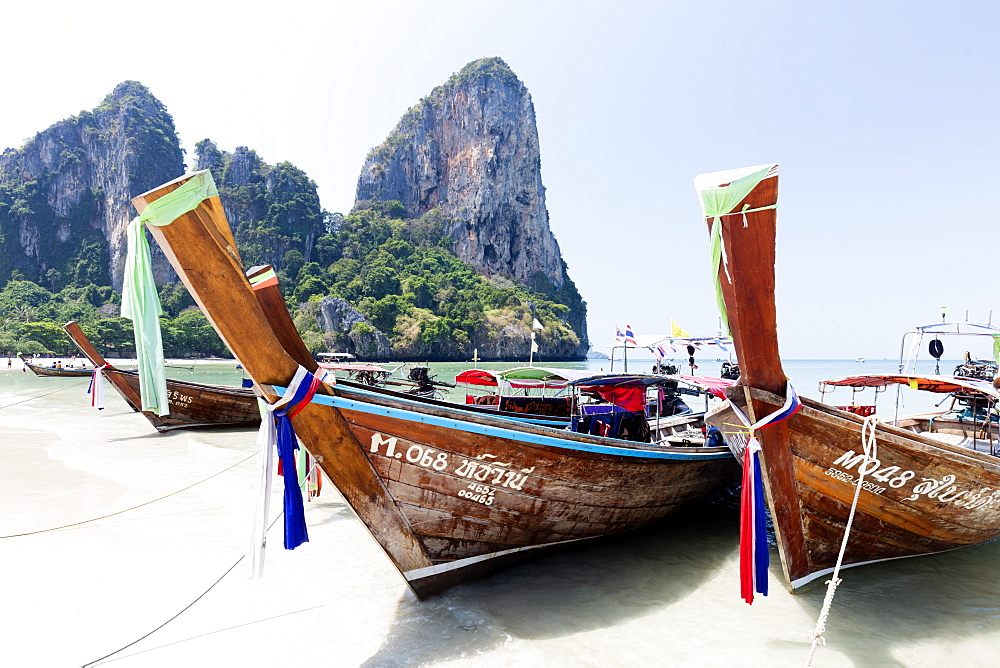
(526, 417)
(500, 432)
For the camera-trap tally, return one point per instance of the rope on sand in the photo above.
(45, 394)
(119, 512)
(200, 596)
(869, 444)
(228, 571)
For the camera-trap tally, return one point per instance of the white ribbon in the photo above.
(97, 387)
(791, 399)
(267, 440)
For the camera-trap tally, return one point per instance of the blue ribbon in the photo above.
(295, 514)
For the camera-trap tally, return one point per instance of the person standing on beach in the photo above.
(8, 363)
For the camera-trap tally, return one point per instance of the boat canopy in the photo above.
(629, 390)
(715, 386)
(940, 384)
(623, 380)
(907, 361)
(521, 377)
(624, 390)
(959, 327)
(329, 366)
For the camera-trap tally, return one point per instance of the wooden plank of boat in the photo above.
(192, 405)
(919, 495)
(449, 495)
(44, 371)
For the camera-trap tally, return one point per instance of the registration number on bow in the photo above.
(483, 468)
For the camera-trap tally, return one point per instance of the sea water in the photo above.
(109, 531)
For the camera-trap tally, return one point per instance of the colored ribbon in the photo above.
(96, 387)
(277, 433)
(754, 555)
(718, 201)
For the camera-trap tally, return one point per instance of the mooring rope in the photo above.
(45, 394)
(210, 588)
(868, 442)
(119, 512)
(183, 610)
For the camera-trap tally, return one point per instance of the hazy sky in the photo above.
(882, 115)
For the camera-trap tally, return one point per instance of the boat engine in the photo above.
(978, 369)
(730, 371)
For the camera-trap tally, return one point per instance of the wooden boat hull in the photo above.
(548, 486)
(192, 405)
(62, 373)
(477, 495)
(919, 496)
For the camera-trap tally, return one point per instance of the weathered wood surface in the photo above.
(473, 495)
(921, 496)
(747, 280)
(208, 263)
(192, 405)
(434, 536)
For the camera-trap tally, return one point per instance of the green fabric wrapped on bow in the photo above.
(140, 300)
(717, 201)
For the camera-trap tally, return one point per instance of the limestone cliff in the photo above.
(468, 154)
(351, 330)
(273, 209)
(65, 195)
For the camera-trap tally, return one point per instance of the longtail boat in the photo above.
(970, 420)
(43, 371)
(448, 495)
(918, 495)
(684, 428)
(540, 379)
(265, 288)
(192, 405)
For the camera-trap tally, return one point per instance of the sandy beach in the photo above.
(176, 509)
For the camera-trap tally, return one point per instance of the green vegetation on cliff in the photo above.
(54, 189)
(31, 319)
(273, 209)
(60, 193)
(402, 275)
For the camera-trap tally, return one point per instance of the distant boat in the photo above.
(43, 371)
(919, 495)
(448, 494)
(860, 359)
(192, 405)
